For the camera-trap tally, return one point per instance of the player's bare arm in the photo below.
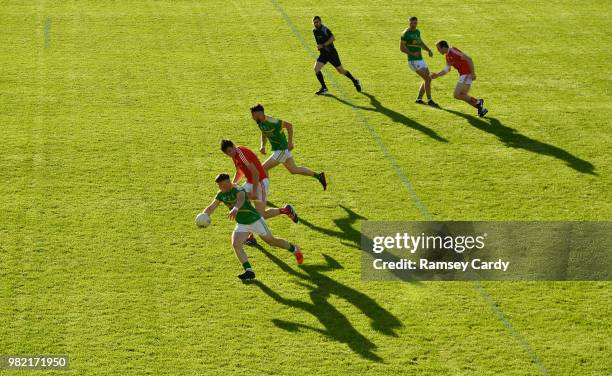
(237, 176)
(210, 209)
(441, 73)
(255, 174)
(239, 201)
(424, 46)
(289, 128)
(403, 47)
(262, 148)
(471, 64)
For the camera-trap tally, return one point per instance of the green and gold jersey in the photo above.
(413, 40)
(247, 214)
(273, 129)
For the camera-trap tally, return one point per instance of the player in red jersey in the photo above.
(257, 184)
(467, 74)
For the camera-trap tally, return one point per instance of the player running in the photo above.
(467, 74)
(328, 53)
(247, 220)
(257, 184)
(272, 130)
(411, 44)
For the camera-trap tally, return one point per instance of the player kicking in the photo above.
(328, 54)
(248, 220)
(272, 130)
(411, 44)
(467, 74)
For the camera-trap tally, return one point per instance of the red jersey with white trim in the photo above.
(243, 156)
(455, 58)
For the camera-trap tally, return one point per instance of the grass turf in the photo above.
(111, 119)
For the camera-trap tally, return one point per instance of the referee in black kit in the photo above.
(328, 54)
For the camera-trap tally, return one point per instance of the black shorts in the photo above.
(330, 57)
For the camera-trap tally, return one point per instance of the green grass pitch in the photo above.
(111, 115)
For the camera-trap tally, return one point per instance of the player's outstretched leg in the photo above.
(270, 163)
(294, 169)
(266, 212)
(238, 239)
(282, 243)
(348, 74)
(290, 212)
(286, 210)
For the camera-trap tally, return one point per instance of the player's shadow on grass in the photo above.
(377, 106)
(336, 325)
(512, 138)
(351, 237)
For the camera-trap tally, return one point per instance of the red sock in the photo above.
(474, 101)
(284, 210)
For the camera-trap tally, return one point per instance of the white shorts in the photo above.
(465, 79)
(263, 189)
(417, 65)
(259, 227)
(281, 155)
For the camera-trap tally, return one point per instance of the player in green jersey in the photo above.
(272, 130)
(411, 44)
(247, 220)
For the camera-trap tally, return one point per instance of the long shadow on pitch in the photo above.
(512, 138)
(347, 234)
(336, 325)
(352, 237)
(377, 106)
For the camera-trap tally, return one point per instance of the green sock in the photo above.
(291, 248)
(316, 176)
(247, 266)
